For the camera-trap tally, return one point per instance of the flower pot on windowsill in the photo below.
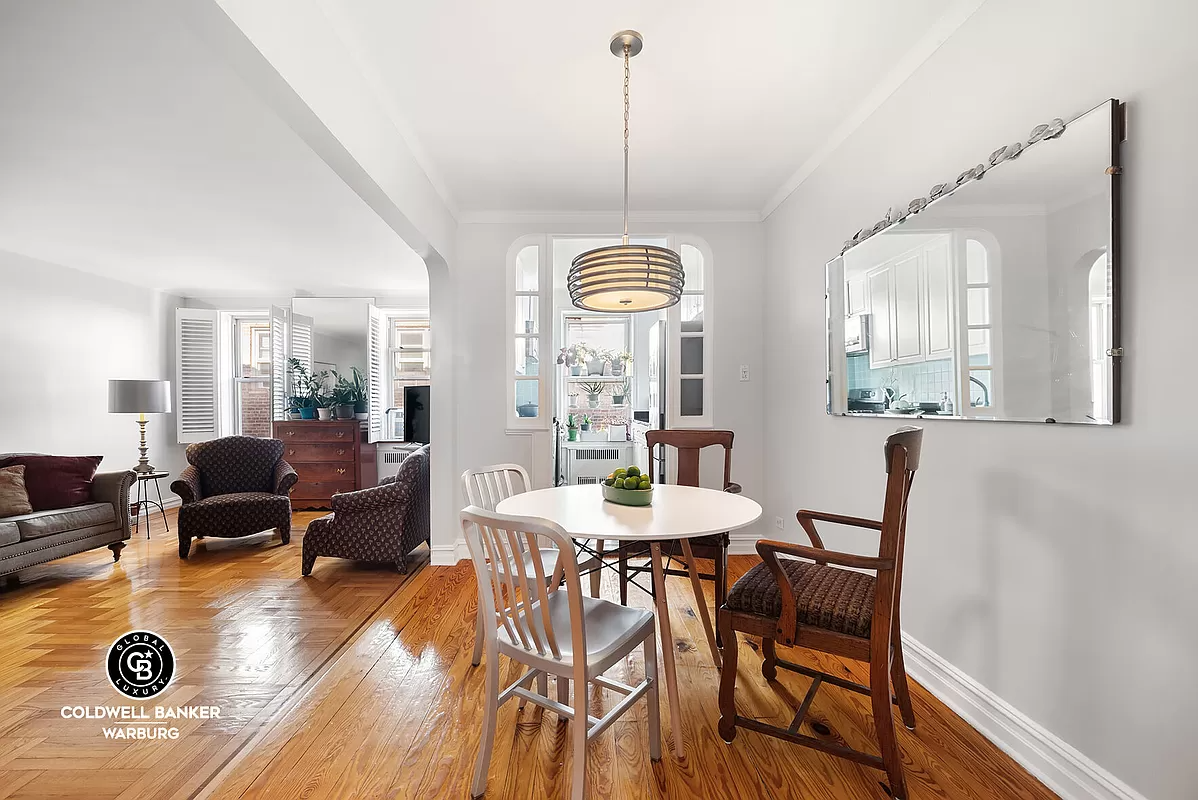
(343, 411)
(572, 434)
(617, 369)
(617, 399)
(575, 370)
(595, 366)
(593, 400)
(324, 414)
(361, 407)
(307, 413)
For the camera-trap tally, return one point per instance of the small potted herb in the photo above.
(586, 423)
(593, 390)
(576, 356)
(571, 428)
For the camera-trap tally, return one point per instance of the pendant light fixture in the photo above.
(626, 277)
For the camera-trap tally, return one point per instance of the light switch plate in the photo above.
(744, 372)
(779, 523)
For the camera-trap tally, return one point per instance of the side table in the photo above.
(144, 502)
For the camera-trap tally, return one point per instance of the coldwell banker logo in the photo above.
(140, 664)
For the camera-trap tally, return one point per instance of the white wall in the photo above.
(63, 335)
(479, 272)
(1050, 563)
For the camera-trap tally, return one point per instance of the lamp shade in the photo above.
(139, 397)
(626, 277)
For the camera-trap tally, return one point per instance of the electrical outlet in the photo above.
(779, 523)
(744, 372)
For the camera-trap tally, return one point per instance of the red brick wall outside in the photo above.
(255, 409)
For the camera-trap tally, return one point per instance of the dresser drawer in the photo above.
(316, 432)
(324, 471)
(295, 452)
(317, 490)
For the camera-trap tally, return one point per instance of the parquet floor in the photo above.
(357, 682)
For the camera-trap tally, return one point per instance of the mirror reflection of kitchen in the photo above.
(993, 303)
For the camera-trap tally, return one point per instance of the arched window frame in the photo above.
(543, 335)
(675, 418)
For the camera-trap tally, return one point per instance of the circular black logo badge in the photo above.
(140, 664)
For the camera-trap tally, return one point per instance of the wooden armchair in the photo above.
(689, 444)
(814, 603)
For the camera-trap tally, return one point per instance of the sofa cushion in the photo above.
(9, 533)
(14, 499)
(55, 482)
(45, 523)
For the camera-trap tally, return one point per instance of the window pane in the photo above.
(526, 361)
(692, 355)
(981, 390)
(253, 349)
(978, 301)
(979, 347)
(409, 337)
(527, 269)
(253, 408)
(412, 364)
(527, 318)
(977, 269)
(526, 398)
(692, 267)
(691, 397)
(692, 313)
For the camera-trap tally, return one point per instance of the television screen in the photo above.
(416, 414)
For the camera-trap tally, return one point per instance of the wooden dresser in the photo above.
(325, 456)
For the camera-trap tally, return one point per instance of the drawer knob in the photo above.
(340, 471)
(340, 434)
(290, 452)
(291, 433)
(341, 451)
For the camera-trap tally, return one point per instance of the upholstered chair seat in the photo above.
(837, 600)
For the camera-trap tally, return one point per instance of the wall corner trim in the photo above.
(1055, 763)
(449, 555)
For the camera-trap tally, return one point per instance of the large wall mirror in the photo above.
(997, 297)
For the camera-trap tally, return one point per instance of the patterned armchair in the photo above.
(384, 523)
(235, 486)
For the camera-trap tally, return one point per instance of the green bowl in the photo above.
(628, 497)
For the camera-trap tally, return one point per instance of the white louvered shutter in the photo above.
(195, 374)
(300, 339)
(278, 363)
(377, 373)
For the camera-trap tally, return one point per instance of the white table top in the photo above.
(677, 512)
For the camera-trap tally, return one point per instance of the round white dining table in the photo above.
(677, 513)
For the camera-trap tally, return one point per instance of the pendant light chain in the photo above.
(625, 278)
(626, 82)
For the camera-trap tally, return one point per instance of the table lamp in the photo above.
(141, 398)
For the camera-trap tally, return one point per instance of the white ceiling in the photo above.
(517, 106)
(129, 150)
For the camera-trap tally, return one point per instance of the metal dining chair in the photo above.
(565, 634)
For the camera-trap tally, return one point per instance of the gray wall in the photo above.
(1050, 563)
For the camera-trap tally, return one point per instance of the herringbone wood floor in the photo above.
(357, 682)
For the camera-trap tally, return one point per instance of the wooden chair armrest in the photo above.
(768, 549)
(807, 520)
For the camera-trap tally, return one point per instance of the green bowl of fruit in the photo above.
(628, 487)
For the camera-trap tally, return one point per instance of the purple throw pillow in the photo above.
(57, 481)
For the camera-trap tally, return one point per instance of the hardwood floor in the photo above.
(356, 682)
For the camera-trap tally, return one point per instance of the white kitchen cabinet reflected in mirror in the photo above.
(995, 301)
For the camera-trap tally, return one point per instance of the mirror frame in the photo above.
(896, 216)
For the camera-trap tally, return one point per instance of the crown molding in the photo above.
(499, 217)
(913, 59)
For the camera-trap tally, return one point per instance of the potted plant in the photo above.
(308, 389)
(620, 362)
(575, 357)
(593, 390)
(596, 360)
(324, 406)
(571, 429)
(586, 423)
(619, 394)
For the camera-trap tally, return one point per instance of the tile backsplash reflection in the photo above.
(921, 382)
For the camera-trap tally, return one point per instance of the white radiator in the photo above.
(389, 455)
(590, 464)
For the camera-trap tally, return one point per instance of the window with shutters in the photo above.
(250, 383)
